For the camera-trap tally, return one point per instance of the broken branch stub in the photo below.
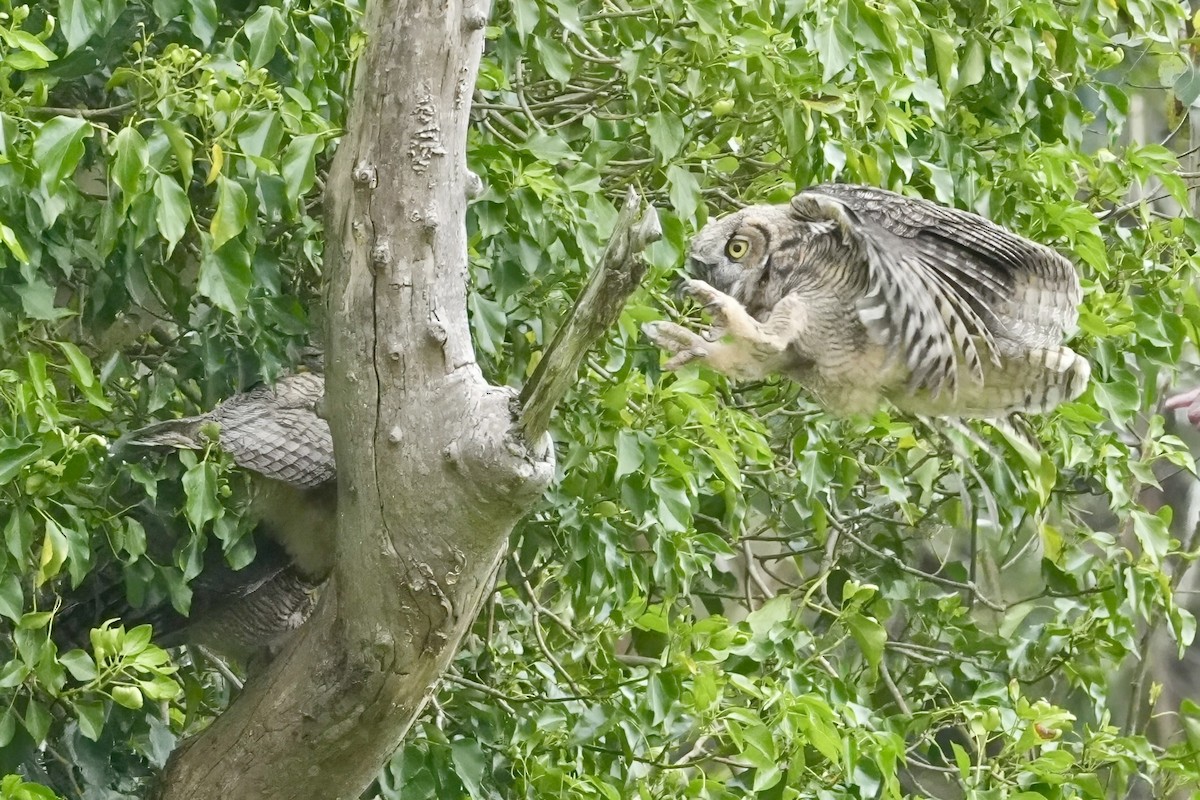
(616, 276)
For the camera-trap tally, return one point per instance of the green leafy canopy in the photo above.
(727, 592)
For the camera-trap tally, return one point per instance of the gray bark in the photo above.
(434, 466)
(431, 474)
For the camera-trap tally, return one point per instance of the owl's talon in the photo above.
(683, 345)
(715, 303)
(702, 292)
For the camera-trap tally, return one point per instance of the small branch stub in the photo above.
(365, 175)
(474, 19)
(614, 278)
(381, 255)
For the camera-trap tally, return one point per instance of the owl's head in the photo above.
(750, 255)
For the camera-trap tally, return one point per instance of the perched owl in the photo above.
(276, 434)
(864, 296)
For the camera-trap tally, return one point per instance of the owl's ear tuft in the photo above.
(815, 206)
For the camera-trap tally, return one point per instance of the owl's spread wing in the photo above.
(272, 430)
(944, 284)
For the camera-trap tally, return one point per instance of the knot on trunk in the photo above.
(493, 457)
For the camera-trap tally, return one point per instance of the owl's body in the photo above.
(276, 433)
(865, 296)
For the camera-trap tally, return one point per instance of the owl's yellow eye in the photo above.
(737, 247)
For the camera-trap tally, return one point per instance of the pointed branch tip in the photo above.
(614, 278)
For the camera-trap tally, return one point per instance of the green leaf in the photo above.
(83, 377)
(28, 42)
(259, 134)
(629, 454)
(174, 212)
(488, 322)
(1152, 533)
(684, 191)
(38, 301)
(767, 617)
(35, 620)
(58, 148)
(834, 48)
(12, 598)
(202, 17)
(299, 165)
(666, 133)
(526, 15)
(91, 718)
(133, 540)
(79, 664)
(54, 553)
(226, 276)
(9, 237)
(127, 696)
(37, 720)
(8, 726)
(79, 20)
(167, 10)
(180, 146)
(469, 765)
(200, 486)
(13, 459)
(161, 687)
(131, 163)
(870, 636)
(946, 55)
(263, 30)
(230, 217)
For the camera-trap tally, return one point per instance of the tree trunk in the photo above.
(434, 466)
(432, 473)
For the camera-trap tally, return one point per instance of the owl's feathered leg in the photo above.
(740, 346)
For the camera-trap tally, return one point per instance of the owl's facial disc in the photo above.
(732, 253)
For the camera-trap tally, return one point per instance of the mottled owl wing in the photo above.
(944, 284)
(272, 430)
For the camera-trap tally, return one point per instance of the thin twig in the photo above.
(501, 698)
(220, 666)
(899, 564)
(84, 113)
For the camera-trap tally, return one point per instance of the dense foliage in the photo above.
(727, 590)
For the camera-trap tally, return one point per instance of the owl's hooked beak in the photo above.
(701, 270)
(695, 268)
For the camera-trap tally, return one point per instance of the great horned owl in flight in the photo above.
(864, 296)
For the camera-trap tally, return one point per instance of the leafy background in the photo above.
(727, 591)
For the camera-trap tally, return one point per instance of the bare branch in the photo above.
(112, 112)
(599, 304)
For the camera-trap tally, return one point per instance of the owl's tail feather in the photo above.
(1058, 375)
(1035, 381)
(183, 433)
